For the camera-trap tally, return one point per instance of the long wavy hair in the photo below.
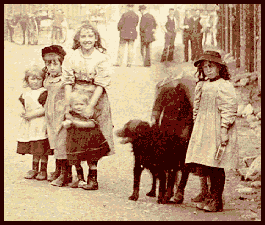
(223, 72)
(97, 45)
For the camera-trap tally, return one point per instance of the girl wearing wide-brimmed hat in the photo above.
(214, 115)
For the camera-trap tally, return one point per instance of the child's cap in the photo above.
(56, 49)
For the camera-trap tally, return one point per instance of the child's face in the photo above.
(210, 69)
(87, 39)
(53, 64)
(78, 106)
(35, 82)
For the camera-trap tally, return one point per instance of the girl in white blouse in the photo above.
(88, 72)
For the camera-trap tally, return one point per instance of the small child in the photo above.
(85, 141)
(53, 57)
(32, 138)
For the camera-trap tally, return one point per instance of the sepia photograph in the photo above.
(132, 112)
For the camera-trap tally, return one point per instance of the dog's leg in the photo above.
(137, 175)
(162, 187)
(152, 193)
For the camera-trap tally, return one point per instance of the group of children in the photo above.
(67, 111)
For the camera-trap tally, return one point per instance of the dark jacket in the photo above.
(127, 25)
(197, 26)
(190, 23)
(171, 25)
(147, 25)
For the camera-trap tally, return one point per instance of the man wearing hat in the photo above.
(128, 34)
(147, 29)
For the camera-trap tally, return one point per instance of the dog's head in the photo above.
(132, 130)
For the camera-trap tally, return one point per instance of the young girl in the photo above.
(88, 72)
(214, 114)
(85, 141)
(32, 138)
(53, 57)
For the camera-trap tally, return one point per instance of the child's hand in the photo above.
(67, 123)
(27, 116)
(224, 136)
(88, 112)
(68, 116)
(22, 115)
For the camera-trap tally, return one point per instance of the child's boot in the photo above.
(43, 172)
(43, 169)
(204, 194)
(92, 183)
(69, 175)
(62, 179)
(54, 175)
(35, 168)
(80, 178)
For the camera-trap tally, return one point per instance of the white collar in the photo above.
(93, 54)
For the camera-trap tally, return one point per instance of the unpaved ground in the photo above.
(38, 200)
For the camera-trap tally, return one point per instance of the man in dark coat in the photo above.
(187, 35)
(170, 35)
(197, 36)
(147, 29)
(128, 34)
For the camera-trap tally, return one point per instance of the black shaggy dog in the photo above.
(162, 147)
(141, 135)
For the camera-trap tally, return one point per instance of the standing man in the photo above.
(170, 29)
(11, 23)
(197, 36)
(187, 35)
(57, 31)
(147, 29)
(128, 34)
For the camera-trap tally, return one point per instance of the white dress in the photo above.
(34, 129)
(215, 105)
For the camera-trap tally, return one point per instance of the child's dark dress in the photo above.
(85, 143)
(32, 135)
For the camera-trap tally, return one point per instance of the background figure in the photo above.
(24, 20)
(147, 29)
(57, 32)
(206, 25)
(213, 29)
(197, 36)
(128, 34)
(170, 35)
(187, 35)
(10, 21)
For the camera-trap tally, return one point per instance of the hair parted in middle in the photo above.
(88, 25)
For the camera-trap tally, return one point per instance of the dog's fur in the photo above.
(142, 137)
(161, 148)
